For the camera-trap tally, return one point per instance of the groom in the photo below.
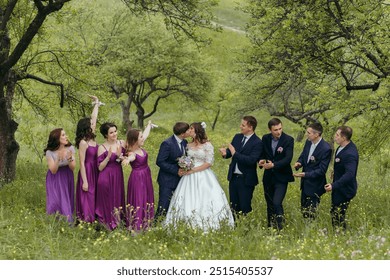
(169, 175)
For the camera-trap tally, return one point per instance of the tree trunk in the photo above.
(9, 148)
(140, 117)
(126, 122)
(216, 118)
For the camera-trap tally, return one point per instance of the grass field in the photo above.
(26, 232)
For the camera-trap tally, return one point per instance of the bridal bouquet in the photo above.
(185, 162)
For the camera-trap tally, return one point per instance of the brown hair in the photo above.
(131, 138)
(345, 131)
(251, 121)
(317, 127)
(180, 127)
(53, 143)
(274, 121)
(200, 133)
(84, 131)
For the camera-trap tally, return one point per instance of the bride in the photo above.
(199, 199)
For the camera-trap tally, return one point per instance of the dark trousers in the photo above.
(274, 195)
(240, 195)
(165, 195)
(338, 213)
(309, 205)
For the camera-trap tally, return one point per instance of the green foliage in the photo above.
(133, 59)
(318, 61)
(180, 17)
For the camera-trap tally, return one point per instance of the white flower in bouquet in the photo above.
(185, 162)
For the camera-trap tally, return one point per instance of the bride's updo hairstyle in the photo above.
(200, 132)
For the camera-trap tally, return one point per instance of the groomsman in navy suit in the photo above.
(169, 174)
(245, 151)
(344, 185)
(314, 160)
(278, 149)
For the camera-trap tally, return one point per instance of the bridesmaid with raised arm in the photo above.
(110, 197)
(59, 178)
(88, 173)
(140, 193)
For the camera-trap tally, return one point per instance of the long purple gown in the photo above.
(140, 194)
(85, 200)
(110, 193)
(60, 188)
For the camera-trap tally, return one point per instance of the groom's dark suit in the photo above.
(275, 180)
(312, 184)
(168, 177)
(241, 187)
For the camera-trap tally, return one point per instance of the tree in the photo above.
(147, 65)
(12, 49)
(15, 41)
(316, 60)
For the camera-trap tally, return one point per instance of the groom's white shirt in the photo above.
(178, 141)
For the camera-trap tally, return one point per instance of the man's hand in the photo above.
(328, 187)
(269, 164)
(297, 165)
(300, 174)
(232, 149)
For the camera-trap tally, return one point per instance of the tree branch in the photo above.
(8, 12)
(29, 76)
(32, 30)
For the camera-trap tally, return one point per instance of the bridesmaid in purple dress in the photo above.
(59, 178)
(140, 193)
(88, 173)
(110, 197)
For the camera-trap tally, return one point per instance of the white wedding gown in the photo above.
(199, 199)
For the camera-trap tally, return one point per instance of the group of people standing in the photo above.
(100, 193)
(274, 153)
(192, 195)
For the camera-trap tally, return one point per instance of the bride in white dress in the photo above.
(198, 199)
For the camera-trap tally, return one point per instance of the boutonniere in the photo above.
(280, 149)
(312, 159)
(337, 159)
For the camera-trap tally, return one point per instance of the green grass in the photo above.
(26, 232)
(229, 16)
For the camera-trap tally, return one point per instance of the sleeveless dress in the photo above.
(140, 194)
(60, 188)
(199, 200)
(110, 192)
(85, 201)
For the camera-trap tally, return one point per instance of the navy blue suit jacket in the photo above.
(282, 171)
(246, 158)
(344, 186)
(315, 170)
(167, 161)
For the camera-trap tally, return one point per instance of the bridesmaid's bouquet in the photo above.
(185, 162)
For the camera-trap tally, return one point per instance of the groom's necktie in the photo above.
(243, 141)
(182, 149)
